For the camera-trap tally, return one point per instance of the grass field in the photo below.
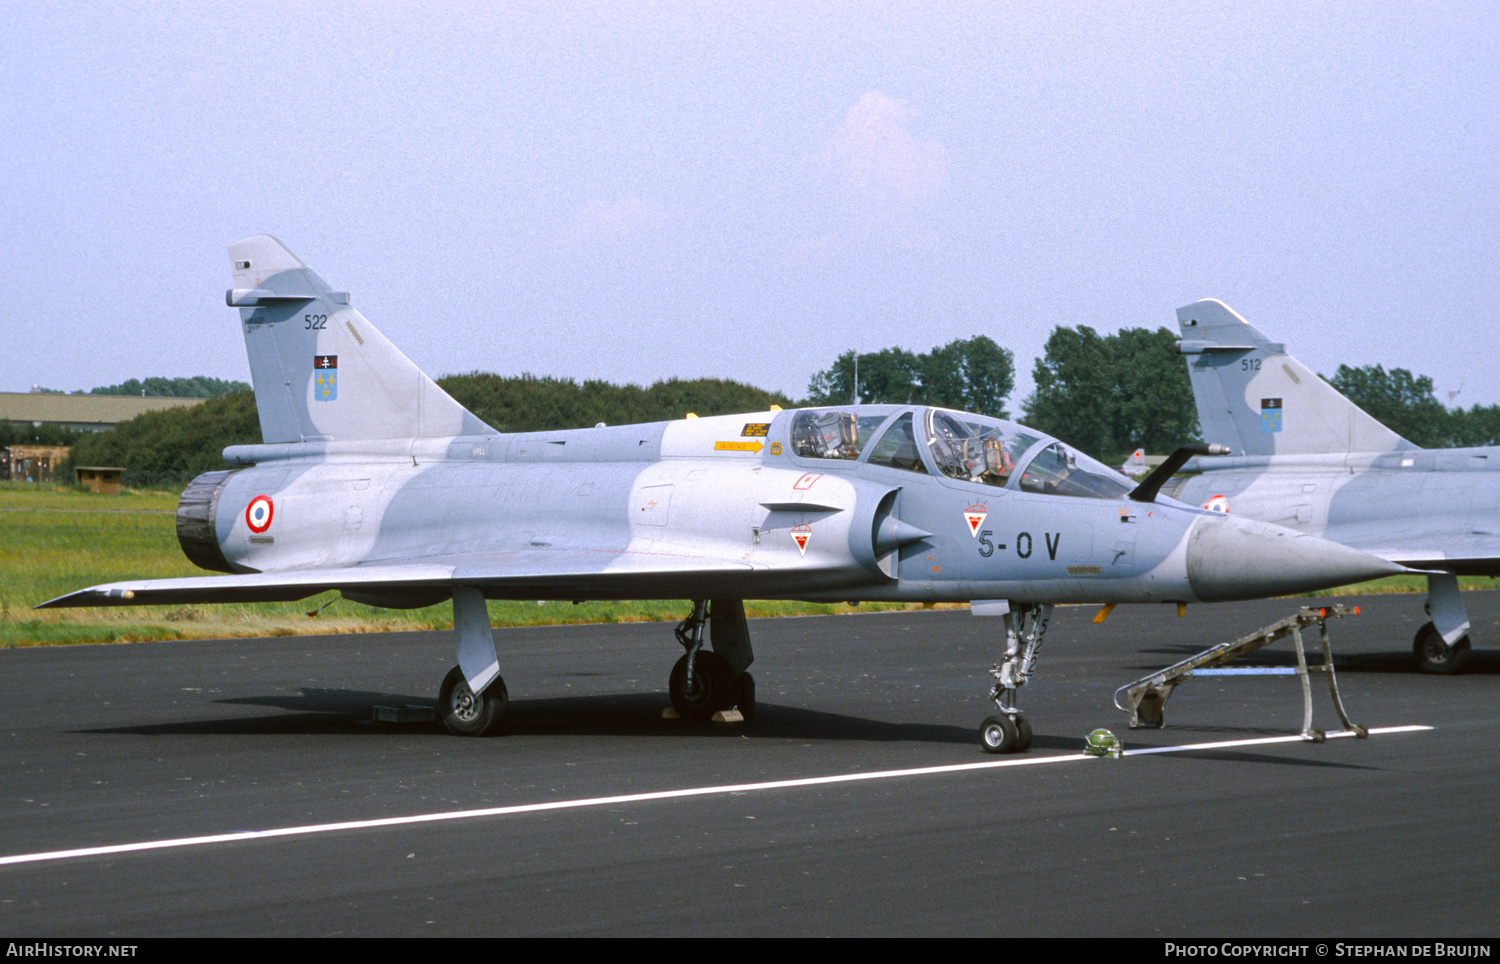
(57, 540)
(54, 541)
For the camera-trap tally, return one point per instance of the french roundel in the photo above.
(259, 512)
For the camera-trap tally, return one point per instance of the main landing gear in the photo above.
(466, 713)
(705, 682)
(472, 700)
(1435, 655)
(1025, 624)
(1449, 618)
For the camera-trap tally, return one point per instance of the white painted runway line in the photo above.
(420, 818)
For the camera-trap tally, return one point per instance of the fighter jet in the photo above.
(374, 482)
(1307, 458)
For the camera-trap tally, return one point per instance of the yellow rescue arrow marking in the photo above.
(738, 446)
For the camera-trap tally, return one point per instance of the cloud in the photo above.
(622, 222)
(878, 159)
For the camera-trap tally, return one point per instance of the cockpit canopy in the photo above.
(959, 445)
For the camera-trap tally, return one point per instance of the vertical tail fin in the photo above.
(1257, 399)
(321, 370)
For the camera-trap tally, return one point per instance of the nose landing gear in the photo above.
(1025, 625)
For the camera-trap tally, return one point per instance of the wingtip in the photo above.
(93, 596)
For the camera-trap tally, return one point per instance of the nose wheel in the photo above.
(1005, 734)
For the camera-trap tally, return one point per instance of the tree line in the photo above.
(1104, 394)
(1405, 404)
(198, 386)
(526, 403)
(170, 448)
(976, 375)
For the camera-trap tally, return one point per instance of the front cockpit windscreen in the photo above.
(1058, 470)
(974, 448)
(831, 433)
(897, 448)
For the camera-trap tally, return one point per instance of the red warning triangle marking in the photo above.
(975, 516)
(800, 535)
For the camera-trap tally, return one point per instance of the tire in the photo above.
(746, 701)
(1437, 657)
(1023, 734)
(713, 687)
(998, 734)
(465, 714)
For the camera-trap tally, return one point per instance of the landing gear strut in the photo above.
(705, 682)
(472, 700)
(1009, 731)
(1450, 621)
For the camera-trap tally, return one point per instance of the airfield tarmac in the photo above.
(156, 742)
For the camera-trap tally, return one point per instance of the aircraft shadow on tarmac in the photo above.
(341, 713)
(325, 711)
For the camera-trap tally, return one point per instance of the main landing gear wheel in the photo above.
(1436, 656)
(746, 702)
(464, 713)
(1003, 734)
(712, 688)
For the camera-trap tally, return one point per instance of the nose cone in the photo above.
(1230, 558)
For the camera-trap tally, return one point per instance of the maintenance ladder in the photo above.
(1148, 695)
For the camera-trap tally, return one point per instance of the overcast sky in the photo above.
(634, 191)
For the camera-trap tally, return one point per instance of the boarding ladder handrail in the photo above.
(1148, 695)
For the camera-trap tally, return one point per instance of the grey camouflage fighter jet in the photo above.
(373, 482)
(1307, 458)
